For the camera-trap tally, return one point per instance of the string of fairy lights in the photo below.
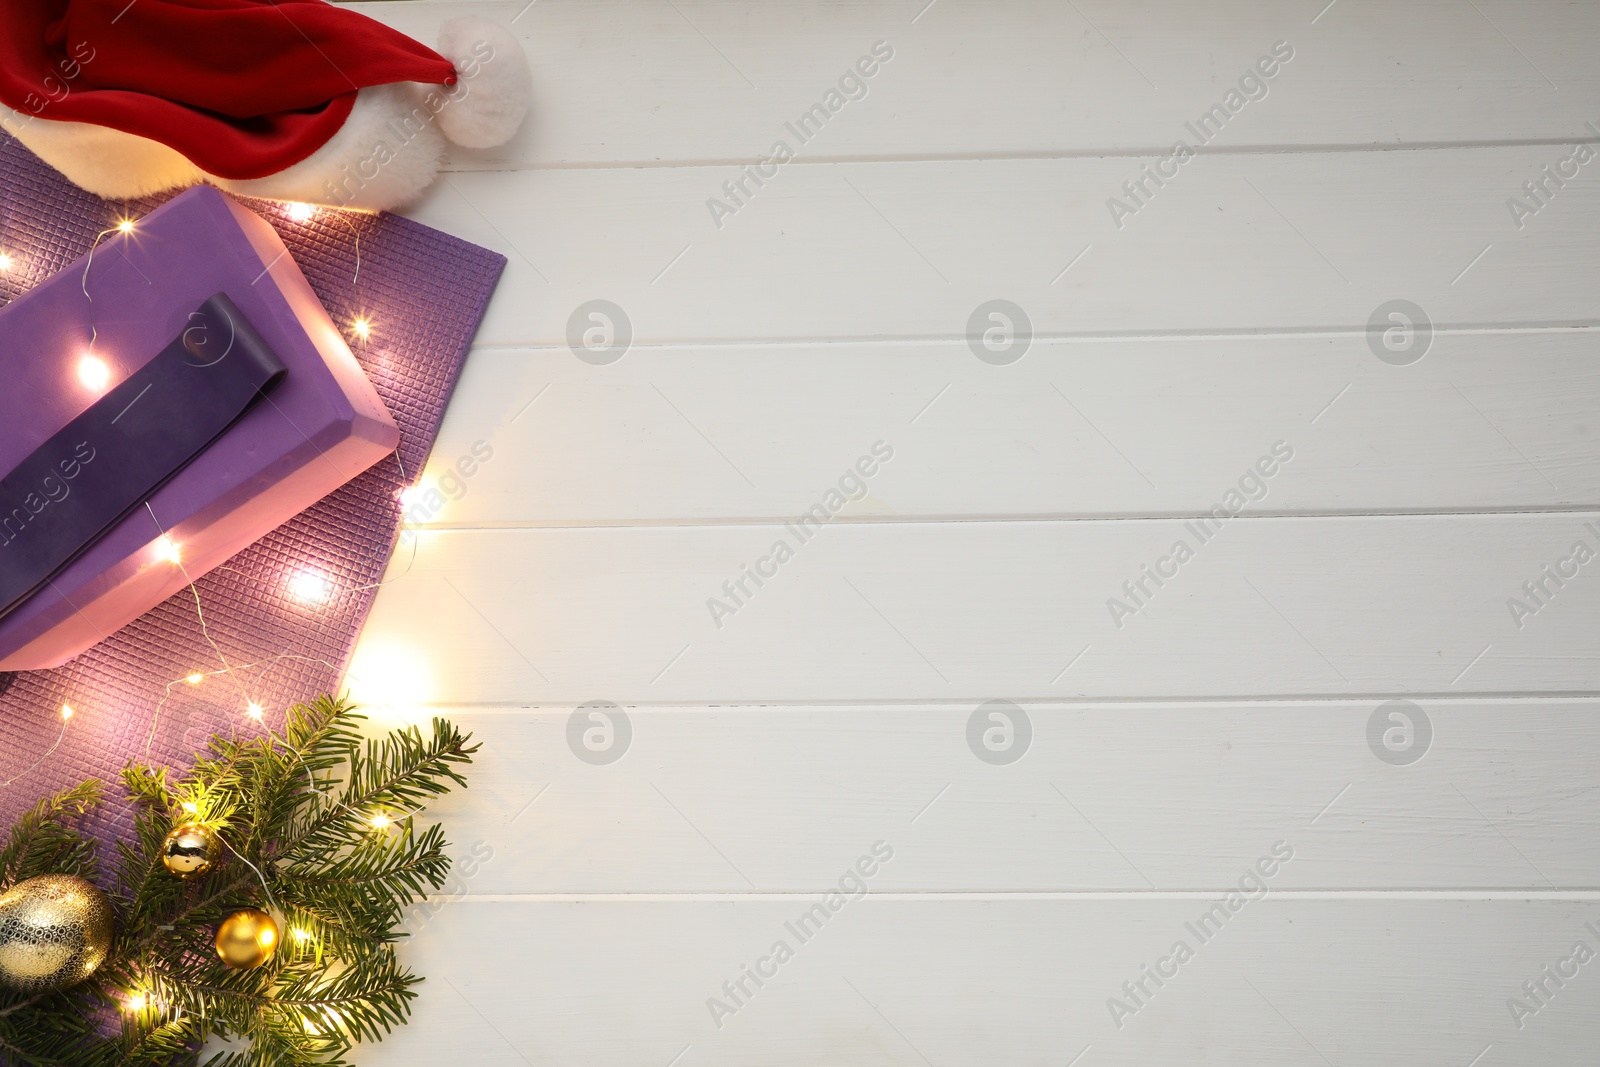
(308, 587)
(95, 374)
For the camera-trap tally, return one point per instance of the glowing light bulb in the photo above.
(301, 935)
(5, 261)
(391, 673)
(409, 494)
(190, 806)
(137, 1002)
(195, 679)
(169, 550)
(380, 821)
(362, 327)
(94, 372)
(66, 712)
(330, 1021)
(310, 587)
(301, 212)
(254, 710)
(125, 226)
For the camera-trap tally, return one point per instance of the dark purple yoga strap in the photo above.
(108, 460)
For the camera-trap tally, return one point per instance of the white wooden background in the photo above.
(608, 902)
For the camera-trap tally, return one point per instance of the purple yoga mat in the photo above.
(426, 292)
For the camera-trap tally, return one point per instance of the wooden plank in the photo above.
(891, 251)
(1153, 427)
(1126, 797)
(972, 611)
(1285, 983)
(646, 83)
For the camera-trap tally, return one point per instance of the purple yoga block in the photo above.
(319, 428)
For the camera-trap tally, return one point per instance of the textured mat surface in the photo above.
(425, 292)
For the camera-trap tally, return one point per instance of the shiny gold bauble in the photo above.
(191, 850)
(247, 938)
(54, 931)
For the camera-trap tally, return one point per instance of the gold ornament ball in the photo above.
(54, 931)
(191, 850)
(247, 938)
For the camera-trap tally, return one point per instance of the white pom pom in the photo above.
(494, 85)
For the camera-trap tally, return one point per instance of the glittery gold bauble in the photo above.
(247, 938)
(54, 931)
(190, 850)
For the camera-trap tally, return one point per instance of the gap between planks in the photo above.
(1065, 702)
(1265, 333)
(472, 166)
(510, 526)
(897, 521)
(1582, 895)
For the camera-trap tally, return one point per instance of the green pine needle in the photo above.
(325, 815)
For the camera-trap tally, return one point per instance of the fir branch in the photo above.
(299, 808)
(43, 841)
(401, 771)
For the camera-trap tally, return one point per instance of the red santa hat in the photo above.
(247, 92)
